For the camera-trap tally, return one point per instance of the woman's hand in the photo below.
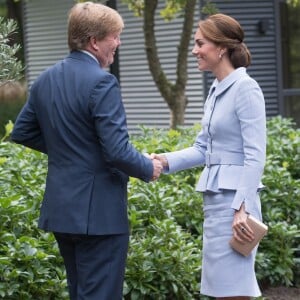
(241, 230)
(162, 158)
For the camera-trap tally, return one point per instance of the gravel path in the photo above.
(282, 293)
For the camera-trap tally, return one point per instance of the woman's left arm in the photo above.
(250, 109)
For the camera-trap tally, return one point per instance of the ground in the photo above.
(282, 293)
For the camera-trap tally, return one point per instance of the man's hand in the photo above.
(162, 158)
(157, 168)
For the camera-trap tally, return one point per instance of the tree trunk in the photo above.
(177, 110)
(173, 94)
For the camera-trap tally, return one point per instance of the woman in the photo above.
(232, 146)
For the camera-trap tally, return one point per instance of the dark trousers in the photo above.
(95, 265)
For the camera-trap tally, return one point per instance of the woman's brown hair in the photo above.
(226, 32)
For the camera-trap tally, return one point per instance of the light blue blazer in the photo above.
(232, 142)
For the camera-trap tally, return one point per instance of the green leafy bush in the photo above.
(30, 267)
(279, 260)
(164, 259)
(9, 111)
(10, 66)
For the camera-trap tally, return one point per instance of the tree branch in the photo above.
(183, 47)
(151, 49)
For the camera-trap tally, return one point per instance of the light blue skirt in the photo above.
(225, 273)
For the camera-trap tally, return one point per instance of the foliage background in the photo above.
(12, 92)
(164, 259)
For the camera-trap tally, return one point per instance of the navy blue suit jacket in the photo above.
(75, 115)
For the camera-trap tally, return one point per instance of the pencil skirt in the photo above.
(225, 273)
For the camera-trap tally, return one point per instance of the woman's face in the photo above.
(206, 52)
(107, 49)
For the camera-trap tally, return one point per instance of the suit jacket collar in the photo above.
(228, 81)
(80, 55)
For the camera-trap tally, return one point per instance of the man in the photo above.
(75, 115)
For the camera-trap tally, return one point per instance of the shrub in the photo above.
(30, 267)
(164, 259)
(12, 93)
(278, 262)
(12, 99)
(10, 67)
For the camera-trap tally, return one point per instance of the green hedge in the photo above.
(164, 259)
(279, 259)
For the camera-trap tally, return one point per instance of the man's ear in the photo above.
(92, 44)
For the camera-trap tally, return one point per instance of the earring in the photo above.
(220, 55)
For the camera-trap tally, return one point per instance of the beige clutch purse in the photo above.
(259, 229)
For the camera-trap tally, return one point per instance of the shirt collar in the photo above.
(90, 54)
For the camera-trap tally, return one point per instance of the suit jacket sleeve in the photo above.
(26, 129)
(189, 157)
(110, 122)
(250, 108)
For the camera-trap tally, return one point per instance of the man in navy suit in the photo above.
(75, 115)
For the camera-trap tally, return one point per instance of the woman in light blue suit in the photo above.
(232, 146)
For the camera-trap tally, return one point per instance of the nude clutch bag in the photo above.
(259, 229)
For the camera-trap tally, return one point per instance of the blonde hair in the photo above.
(225, 31)
(90, 19)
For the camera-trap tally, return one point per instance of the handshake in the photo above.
(159, 162)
